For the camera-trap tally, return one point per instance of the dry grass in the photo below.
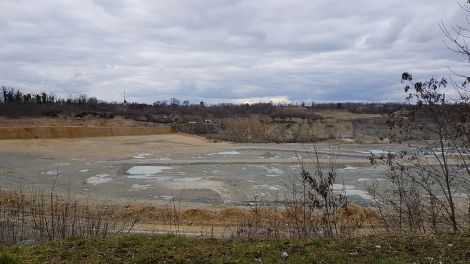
(39, 215)
(176, 249)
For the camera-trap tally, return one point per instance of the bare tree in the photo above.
(437, 129)
(315, 206)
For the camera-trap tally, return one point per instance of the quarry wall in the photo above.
(45, 132)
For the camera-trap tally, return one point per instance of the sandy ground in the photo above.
(159, 167)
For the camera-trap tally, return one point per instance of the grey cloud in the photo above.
(220, 50)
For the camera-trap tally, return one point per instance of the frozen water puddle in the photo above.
(351, 190)
(57, 173)
(141, 155)
(349, 168)
(269, 187)
(163, 197)
(274, 172)
(232, 152)
(376, 152)
(143, 172)
(98, 179)
(140, 186)
(52, 172)
(150, 172)
(363, 179)
(270, 171)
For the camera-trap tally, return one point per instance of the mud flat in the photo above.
(156, 168)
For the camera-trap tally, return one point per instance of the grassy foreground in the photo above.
(176, 249)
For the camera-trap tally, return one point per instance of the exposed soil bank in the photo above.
(72, 127)
(364, 128)
(46, 132)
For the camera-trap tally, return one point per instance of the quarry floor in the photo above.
(191, 169)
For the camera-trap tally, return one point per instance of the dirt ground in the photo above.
(110, 147)
(158, 168)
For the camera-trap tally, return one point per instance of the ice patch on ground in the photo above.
(232, 152)
(376, 152)
(98, 179)
(148, 177)
(258, 166)
(61, 164)
(266, 186)
(147, 170)
(84, 170)
(294, 167)
(274, 172)
(141, 155)
(192, 179)
(268, 155)
(140, 186)
(363, 179)
(363, 194)
(339, 187)
(51, 172)
(163, 197)
(351, 190)
(350, 168)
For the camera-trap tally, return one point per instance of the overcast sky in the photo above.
(223, 50)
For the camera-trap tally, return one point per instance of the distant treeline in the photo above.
(15, 103)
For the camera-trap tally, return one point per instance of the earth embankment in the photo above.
(48, 128)
(47, 132)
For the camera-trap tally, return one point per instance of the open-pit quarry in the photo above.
(158, 165)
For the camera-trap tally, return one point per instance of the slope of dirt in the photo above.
(333, 125)
(346, 115)
(79, 132)
(67, 121)
(37, 128)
